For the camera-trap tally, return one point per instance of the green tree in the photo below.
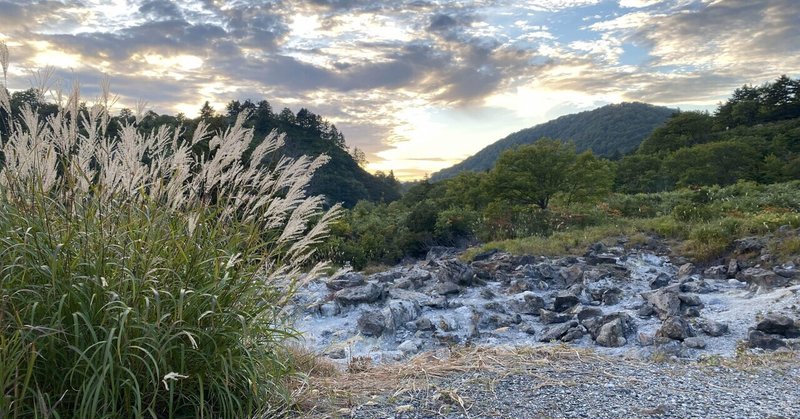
(684, 129)
(589, 178)
(532, 174)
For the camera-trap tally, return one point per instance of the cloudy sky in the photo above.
(418, 85)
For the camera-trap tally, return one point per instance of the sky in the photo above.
(417, 85)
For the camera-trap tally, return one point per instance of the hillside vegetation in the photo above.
(700, 178)
(609, 131)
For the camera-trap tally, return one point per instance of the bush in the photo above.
(138, 280)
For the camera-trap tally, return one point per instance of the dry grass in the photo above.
(334, 395)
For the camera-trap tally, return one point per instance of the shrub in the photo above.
(140, 280)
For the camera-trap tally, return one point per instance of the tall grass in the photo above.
(138, 279)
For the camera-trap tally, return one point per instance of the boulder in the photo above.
(762, 278)
(712, 328)
(447, 288)
(612, 296)
(329, 309)
(716, 272)
(409, 347)
(573, 333)
(694, 343)
(665, 301)
(691, 300)
(685, 270)
(583, 312)
(387, 276)
(675, 328)
(455, 271)
(368, 293)
(400, 312)
(565, 301)
(526, 303)
(749, 245)
(497, 320)
(733, 268)
(345, 280)
(571, 275)
(759, 339)
(660, 281)
(550, 317)
(557, 332)
(371, 323)
(779, 324)
(698, 287)
(612, 334)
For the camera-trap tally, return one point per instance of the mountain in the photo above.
(609, 131)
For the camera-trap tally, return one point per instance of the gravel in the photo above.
(612, 388)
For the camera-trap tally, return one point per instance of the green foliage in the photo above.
(684, 129)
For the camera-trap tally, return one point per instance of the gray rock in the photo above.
(408, 347)
(403, 283)
(496, 320)
(526, 303)
(716, 272)
(759, 339)
(778, 324)
(662, 280)
(698, 287)
(455, 271)
(685, 270)
(612, 296)
(565, 301)
(371, 323)
(612, 334)
(691, 300)
(329, 309)
(418, 276)
(400, 312)
(346, 280)
(387, 276)
(733, 268)
(447, 288)
(557, 332)
(675, 328)
(786, 272)
(571, 275)
(749, 245)
(664, 301)
(583, 312)
(550, 317)
(762, 278)
(712, 328)
(694, 343)
(424, 323)
(573, 334)
(368, 293)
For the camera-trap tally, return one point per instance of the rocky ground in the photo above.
(627, 306)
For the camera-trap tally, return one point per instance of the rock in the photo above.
(697, 287)
(685, 270)
(487, 294)
(368, 293)
(646, 310)
(526, 303)
(403, 283)
(571, 275)
(691, 300)
(694, 343)
(612, 296)
(329, 309)
(645, 339)
(371, 323)
(565, 301)
(424, 324)
(497, 320)
(528, 328)
(675, 328)
(595, 324)
(712, 328)
(749, 245)
(733, 268)
(550, 317)
(436, 253)
(455, 271)
(447, 288)
(418, 276)
(574, 333)
(346, 280)
(417, 297)
(662, 280)
(716, 272)
(762, 278)
(557, 332)
(778, 324)
(400, 312)
(583, 313)
(387, 276)
(409, 347)
(664, 301)
(612, 334)
(759, 339)
(788, 273)
(485, 255)
(670, 349)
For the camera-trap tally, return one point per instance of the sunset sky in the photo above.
(418, 85)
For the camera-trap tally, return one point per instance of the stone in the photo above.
(646, 310)
(447, 288)
(565, 301)
(497, 320)
(733, 268)
(400, 312)
(691, 300)
(675, 328)
(712, 328)
(685, 270)
(571, 275)
(550, 317)
(418, 276)
(387, 276)
(403, 283)
(424, 324)
(778, 324)
(759, 339)
(455, 271)
(557, 332)
(762, 278)
(368, 293)
(583, 313)
(573, 334)
(749, 245)
(526, 303)
(371, 323)
(789, 273)
(329, 309)
(664, 301)
(660, 281)
(694, 343)
(346, 280)
(612, 334)
(697, 287)
(645, 339)
(485, 255)
(408, 347)
(716, 272)
(612, 296)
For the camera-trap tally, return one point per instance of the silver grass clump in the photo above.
(70, 155)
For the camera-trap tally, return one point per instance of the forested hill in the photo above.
(609, 131)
